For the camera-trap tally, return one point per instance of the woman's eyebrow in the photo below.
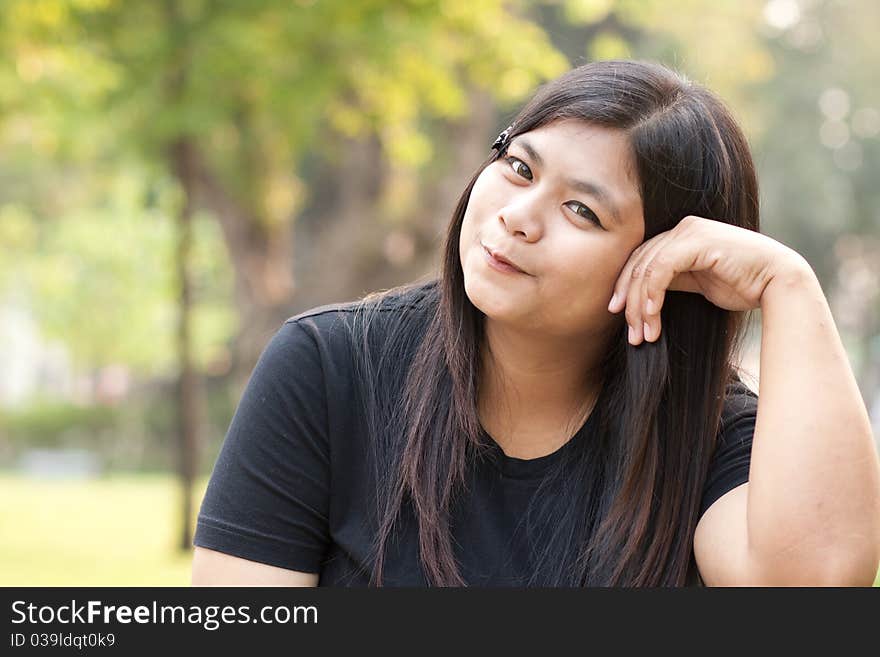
(587, 187)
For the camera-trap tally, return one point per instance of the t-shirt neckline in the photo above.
(535, 468)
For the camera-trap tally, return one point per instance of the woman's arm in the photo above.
(211, 568)
(810, 514)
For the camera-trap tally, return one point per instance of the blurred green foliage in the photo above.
(47, 423)
(135, 434)
(100, 277)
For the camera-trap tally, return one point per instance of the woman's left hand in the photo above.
(729, 265)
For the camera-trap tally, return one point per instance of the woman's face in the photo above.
(561, 204)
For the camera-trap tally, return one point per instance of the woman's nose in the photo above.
(522, 217)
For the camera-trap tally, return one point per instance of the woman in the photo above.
(562, 406)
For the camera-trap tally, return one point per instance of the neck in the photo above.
(536, 391)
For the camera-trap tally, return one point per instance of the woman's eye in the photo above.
(583, 211)
(519, 167)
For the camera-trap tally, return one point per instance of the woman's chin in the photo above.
(494, 303)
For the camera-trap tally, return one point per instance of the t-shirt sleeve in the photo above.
(729, 467)
(267, 499)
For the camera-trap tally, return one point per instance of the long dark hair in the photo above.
(633, 492)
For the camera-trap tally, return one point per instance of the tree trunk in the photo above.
(188, 382)
(262, 263)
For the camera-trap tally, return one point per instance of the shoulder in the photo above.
(731, 454)
(737, 425)
(343, 338)
(740, 404)
(738, 389)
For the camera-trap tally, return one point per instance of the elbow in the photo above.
(856, 568)
(839, 568)
(861, 573)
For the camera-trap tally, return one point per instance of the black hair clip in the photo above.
(501, 140)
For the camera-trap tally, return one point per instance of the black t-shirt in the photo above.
(293, 484)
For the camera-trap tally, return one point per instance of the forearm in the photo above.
(814, 484)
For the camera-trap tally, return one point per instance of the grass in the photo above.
(115, 531)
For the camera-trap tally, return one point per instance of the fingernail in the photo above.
(647, 331)
(632, 335)
(613, 302)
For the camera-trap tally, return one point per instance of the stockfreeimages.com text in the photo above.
(211, 617)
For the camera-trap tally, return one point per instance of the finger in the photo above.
(632, 293)
(668, 262)
(668, 269)
(643, 327)
(671, 269)
(661, 268)
(621, 286)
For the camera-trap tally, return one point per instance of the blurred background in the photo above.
(177, 177)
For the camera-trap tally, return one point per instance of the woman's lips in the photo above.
(500, 265)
